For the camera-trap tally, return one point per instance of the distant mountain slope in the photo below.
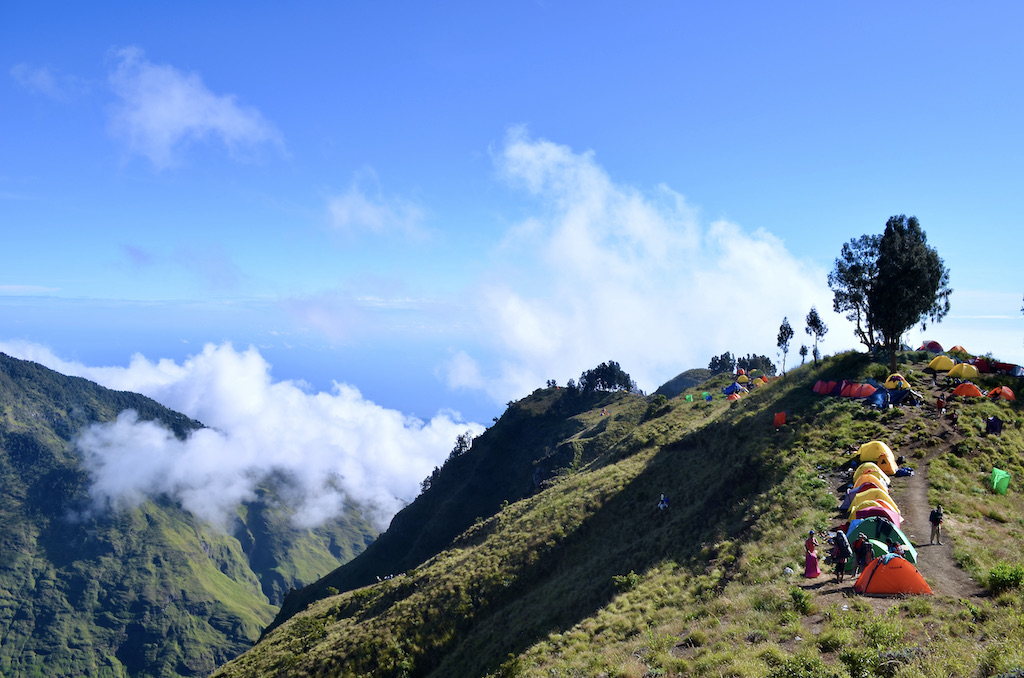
(151, 591)
(535, 440)
(682, 382)
(586, 577)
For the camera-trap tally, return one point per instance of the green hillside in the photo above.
(584, 576)
(146, 592)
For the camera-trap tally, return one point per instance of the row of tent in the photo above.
(972, 366)
(895, 390)
(875, 516)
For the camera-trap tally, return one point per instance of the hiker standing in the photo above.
(935, 518)
(862, 549)
(811, 569)
(841, 554)
(663, 503)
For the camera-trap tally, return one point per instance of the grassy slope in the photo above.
(586, 578)
(143, 592)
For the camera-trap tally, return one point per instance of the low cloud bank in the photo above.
(333, 448)
(605, 271)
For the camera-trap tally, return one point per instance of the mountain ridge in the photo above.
(140, 591)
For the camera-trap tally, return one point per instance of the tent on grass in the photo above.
(879, 453)
(884, 512)
(734, 387)
(933, 346)
(964, 371)
(780, 419)
(882, 529)
(872, 468)
(880, 502)
(1003, 392)
(742, 379)
(733, 396)
(968, 390)
(874, 493)
(897, 382)
(961, 350)
(941, 363)
(891, 575)
(1000, 480)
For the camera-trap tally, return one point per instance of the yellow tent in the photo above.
(872, 468)
(941, 363)
(878, 452)
(874, 494)
(867, 503)
(742, 379)
(897, 382)
(964, 371)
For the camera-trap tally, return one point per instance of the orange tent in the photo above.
(891, 575)
(733, 396)
(959, 349)
(1003, 392)
(869, 467)
(967, 390)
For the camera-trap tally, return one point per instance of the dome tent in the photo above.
(879, 453)
(891, 575)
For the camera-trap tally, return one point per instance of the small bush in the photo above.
(860, 662)
(626, 582)
(802, 666)
(803, 602)
(1004, 576)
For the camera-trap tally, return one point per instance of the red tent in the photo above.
(891, 575)
(933, 346)
(967, 390)
(780, 419)
(892, 516)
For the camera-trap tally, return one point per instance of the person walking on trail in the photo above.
(935, 518)
(841, 554)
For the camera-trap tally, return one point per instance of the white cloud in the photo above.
(41, 80)
(609, 272)
(162, 109)
(334, 447)
(359, 210)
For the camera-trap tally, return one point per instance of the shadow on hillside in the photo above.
(714, 477)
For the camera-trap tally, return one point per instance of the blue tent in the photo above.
(878, 399)
(732, 388)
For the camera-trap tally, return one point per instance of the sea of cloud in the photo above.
(334, 448)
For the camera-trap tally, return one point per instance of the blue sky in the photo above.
(444, 206)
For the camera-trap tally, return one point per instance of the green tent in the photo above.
(1000, 481)
(689, 397)
(877, 530)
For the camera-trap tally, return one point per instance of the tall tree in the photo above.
(911, 284)
(817, 328)
(785, 336)
(803, 354)
(722, 363)
(850, 281)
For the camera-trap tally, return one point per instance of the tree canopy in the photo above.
(756, 362)
(911, 283)
(817, 328)
(607, 376)
(722, 363)
(850, 280)
(785, 336)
